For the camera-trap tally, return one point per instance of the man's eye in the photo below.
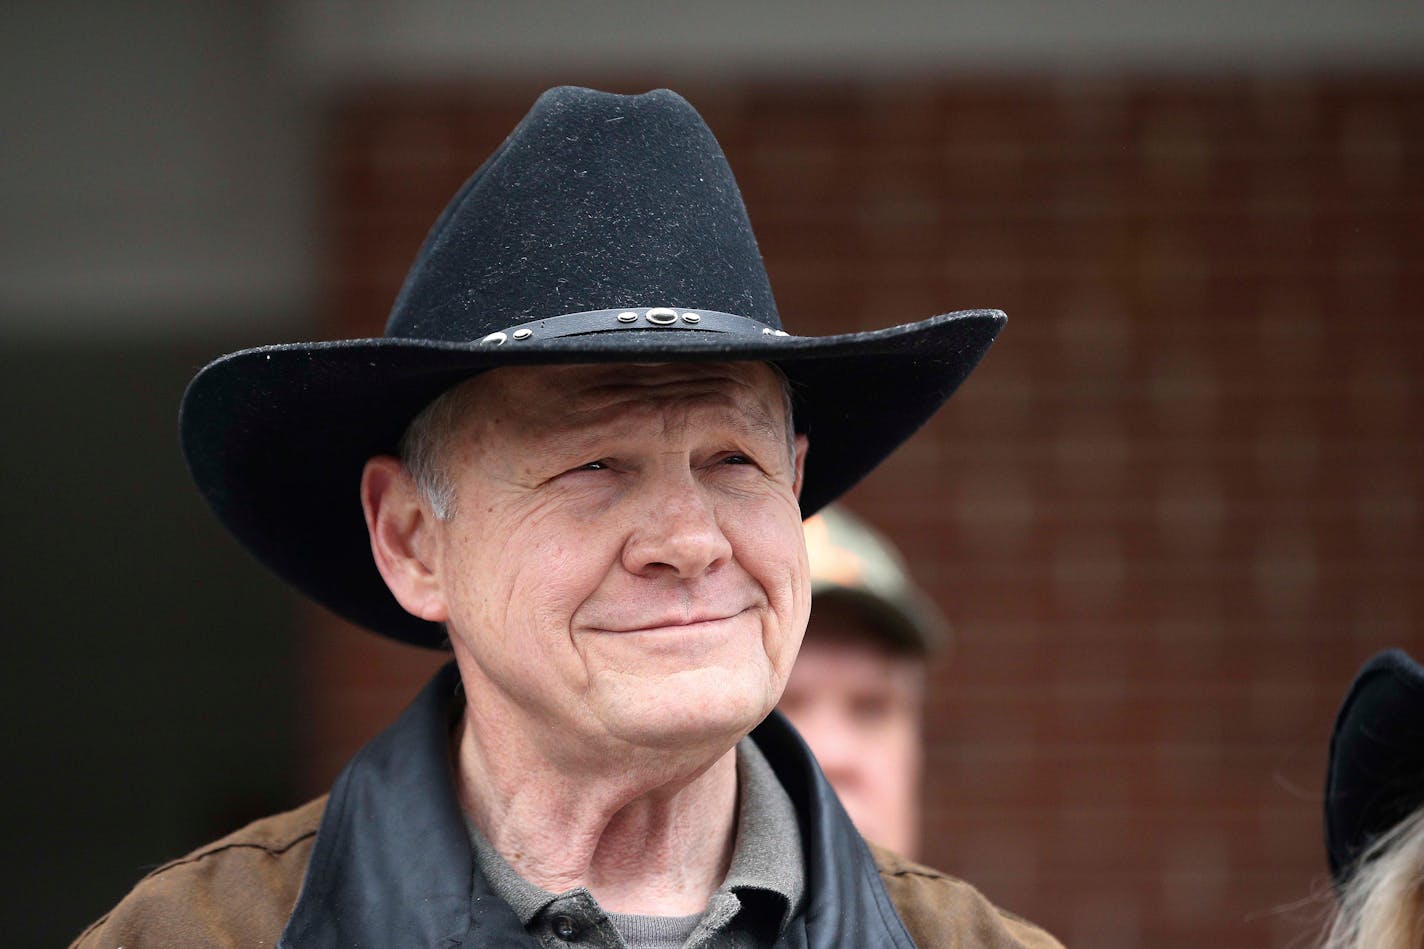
(735, 459)
(593, 466)
(870, 709)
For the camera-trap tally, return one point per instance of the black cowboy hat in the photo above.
(1375, 777)
(606, 228)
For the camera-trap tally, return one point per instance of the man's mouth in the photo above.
(674, 622)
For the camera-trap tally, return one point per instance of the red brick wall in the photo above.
(1172, 512)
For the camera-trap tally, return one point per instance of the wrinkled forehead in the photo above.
(570, 398)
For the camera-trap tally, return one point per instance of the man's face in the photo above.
(859, 706)
(625, 558)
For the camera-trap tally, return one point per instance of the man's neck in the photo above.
(654, 837)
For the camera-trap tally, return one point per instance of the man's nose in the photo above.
(678, 532)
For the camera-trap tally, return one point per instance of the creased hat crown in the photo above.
(595, 201)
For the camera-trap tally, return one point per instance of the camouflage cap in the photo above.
(854, 563)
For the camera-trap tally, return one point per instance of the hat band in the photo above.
(609, 321)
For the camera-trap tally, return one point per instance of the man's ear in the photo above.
(801, 445)
(403, 537)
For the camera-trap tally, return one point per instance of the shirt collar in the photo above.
(767, 855)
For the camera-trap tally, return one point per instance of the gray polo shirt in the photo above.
(761, 893)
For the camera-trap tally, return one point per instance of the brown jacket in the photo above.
(391, 868)
(239, 891)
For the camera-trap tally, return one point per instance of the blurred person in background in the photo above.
(1374, 808)
(857, 691)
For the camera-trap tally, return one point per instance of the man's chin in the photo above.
(687, 716)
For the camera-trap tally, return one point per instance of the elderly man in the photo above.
(582, 454)
(857, 691)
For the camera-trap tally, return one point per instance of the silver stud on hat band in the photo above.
(652, 318)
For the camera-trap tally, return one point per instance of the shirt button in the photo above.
(565, 928)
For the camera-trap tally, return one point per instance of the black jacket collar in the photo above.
(392, 864)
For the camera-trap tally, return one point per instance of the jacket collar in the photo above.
(393, 865)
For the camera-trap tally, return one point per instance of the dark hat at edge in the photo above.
(606, 228)
(1375, 776)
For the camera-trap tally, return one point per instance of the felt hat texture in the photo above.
(606, 228)
(1375, 777)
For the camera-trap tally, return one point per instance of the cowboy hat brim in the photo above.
(276, 437)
